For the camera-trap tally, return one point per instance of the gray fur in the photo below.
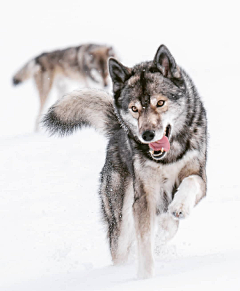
(81, 63)
(139, 189)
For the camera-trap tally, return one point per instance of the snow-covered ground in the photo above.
(52, 238)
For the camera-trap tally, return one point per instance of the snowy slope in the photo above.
(52, 238)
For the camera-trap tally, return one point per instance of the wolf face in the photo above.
(150, 100)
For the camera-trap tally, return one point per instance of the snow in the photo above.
(52, 238)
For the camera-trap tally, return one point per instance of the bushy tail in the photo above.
(26, 72)
(86, 107)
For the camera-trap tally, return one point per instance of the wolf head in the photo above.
(149, 100)
(97, 63)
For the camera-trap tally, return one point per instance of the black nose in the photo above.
(148, 135)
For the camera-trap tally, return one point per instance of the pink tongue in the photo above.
(162, 143)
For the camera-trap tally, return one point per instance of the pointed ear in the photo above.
(166, 64)
(118, 72)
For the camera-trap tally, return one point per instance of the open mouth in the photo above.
(159, 148)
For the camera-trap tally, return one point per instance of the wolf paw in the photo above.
(179, 210)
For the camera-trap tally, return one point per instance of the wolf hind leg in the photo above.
(44, 81)
(62, 87)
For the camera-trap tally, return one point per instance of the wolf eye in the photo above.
(134, 109)
(160, 103)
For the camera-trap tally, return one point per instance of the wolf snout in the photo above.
(148, 135)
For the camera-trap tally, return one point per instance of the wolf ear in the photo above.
(166, 64)
(118, 72)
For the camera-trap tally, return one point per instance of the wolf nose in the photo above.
(148, 135)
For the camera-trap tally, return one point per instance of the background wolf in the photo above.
(154, 172)
(80, 63)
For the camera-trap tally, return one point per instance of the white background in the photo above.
(51, 235)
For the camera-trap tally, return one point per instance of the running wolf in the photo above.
(80, 63)
(155, 168)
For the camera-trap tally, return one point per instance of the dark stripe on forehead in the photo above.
(143, 83)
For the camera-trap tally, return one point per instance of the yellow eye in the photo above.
(134, 109)
(160, 103)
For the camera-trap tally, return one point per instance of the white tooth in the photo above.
(162, 150)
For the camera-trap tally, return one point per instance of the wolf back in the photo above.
(68, 61)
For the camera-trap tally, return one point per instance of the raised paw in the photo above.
(179, 215)
(179, 209)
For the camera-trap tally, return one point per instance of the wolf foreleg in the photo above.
(190, 192)
(144, 213)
